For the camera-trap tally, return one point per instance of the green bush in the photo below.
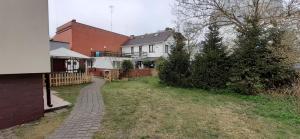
(160, 63)
(127, 66)
(148, 64)
(175, 70)
(210, 68)
(256, 68)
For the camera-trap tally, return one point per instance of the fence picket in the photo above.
(61, 79)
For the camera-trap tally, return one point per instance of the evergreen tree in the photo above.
(210, 68)
(279, 72)
(255, 66)
(175, 70)
(249, 58)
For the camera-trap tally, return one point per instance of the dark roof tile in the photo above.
(149, 38)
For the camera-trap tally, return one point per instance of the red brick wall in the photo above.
(137, 73)
(132, 74)
(96, 72)
(140, 73)
(21, 99)
(85, 37)
(64, 35)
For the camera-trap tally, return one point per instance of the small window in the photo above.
(167, 49)
(116, 64)
(151, 49)
(132, 50)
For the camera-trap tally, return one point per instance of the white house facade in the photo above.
(149, 47)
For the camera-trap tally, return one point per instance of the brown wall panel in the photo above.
(21, 99)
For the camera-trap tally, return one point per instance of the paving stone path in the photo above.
(8, 134)
(85, 118)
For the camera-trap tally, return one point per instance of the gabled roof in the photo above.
(66, 53)
(149, 38)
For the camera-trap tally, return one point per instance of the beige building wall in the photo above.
(24, 37)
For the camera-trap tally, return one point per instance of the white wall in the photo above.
(159, 49)
(24, 39)
(107, 62)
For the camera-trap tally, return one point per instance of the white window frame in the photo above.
(167, 48)
(151, 48)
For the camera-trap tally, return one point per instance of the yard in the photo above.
(46, 125)
(143, 108)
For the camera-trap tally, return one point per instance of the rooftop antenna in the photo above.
(111, 17)
(111, 29)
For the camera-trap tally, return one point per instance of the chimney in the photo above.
(168, 29)
(131, 36)
(74, 20)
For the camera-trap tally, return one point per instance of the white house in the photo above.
(149, 47)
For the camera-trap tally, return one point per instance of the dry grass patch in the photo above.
(39, 129)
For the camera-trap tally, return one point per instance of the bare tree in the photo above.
(201, 13)
(191, 35)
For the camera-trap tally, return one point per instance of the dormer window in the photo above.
(151, 49)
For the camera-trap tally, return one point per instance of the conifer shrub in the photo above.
(175, 70)
(210, 68)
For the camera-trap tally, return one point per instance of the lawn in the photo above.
(145, 109)
(46, 125)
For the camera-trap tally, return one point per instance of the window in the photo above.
(140, 50)
(132, 50)
(151, 49)
(117, 64)
(90, 63)
(167, 49)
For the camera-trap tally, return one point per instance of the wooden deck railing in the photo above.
(62, 79)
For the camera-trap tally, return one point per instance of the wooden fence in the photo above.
(62, 79)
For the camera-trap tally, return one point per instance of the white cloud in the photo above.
(129, 16)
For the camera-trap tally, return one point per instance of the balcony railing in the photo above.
(117, 54)
(136, 55)
(107, 54)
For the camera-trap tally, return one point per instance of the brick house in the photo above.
(24, 58)
(86, 39)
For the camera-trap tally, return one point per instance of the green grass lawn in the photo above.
(46, 125)
(145, 109)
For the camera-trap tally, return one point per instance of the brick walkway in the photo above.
(85, 118)
(7, 134)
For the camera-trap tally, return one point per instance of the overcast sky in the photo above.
(135, 17)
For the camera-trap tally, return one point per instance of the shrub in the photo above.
(175, 70)
(127, 66)
(148, 64)
(210, 68)
(160, 63)
(256, 67)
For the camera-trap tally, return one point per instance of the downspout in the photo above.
(48, 91)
